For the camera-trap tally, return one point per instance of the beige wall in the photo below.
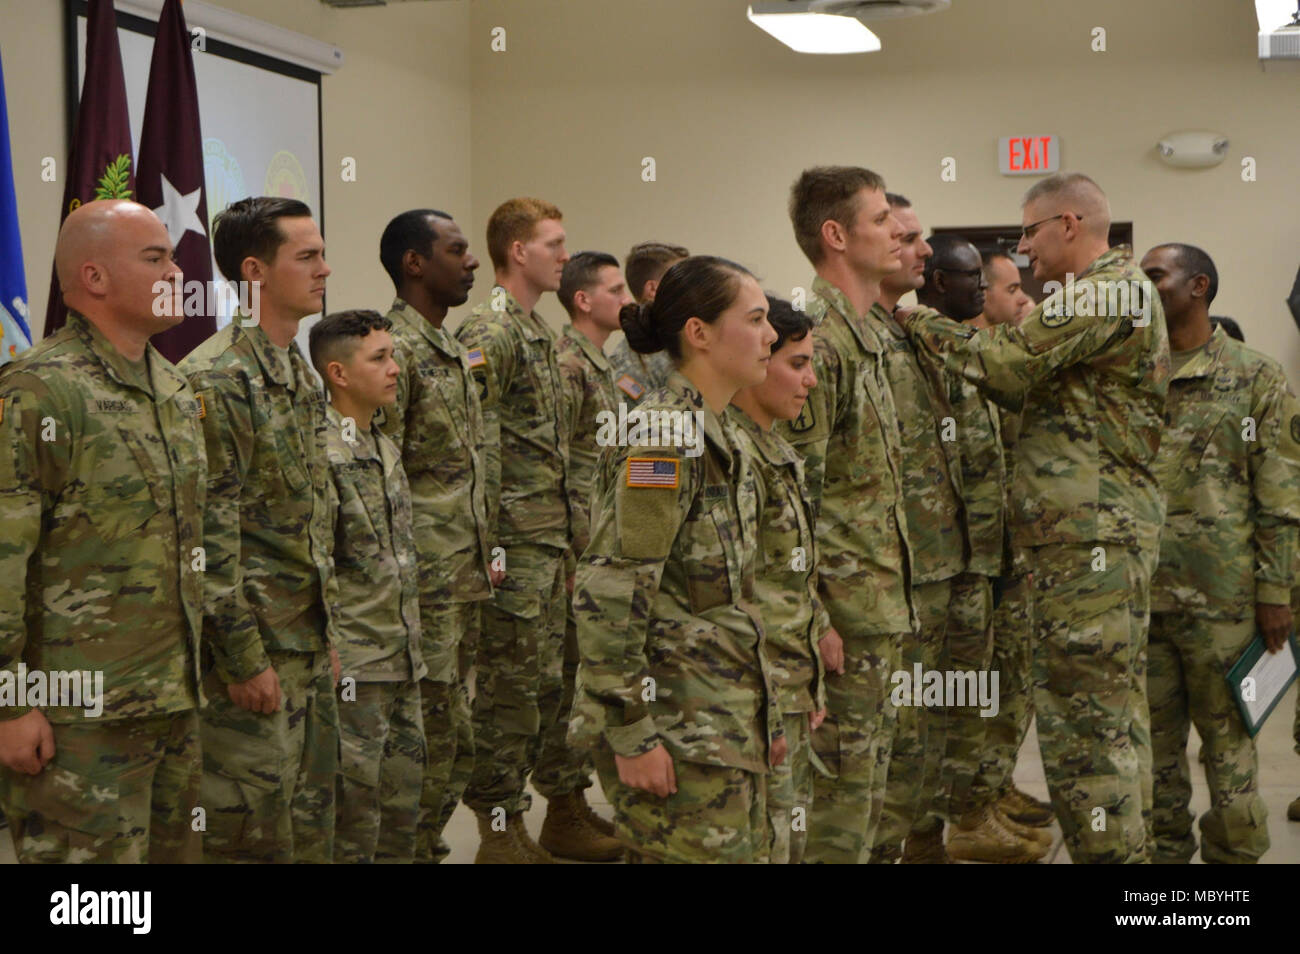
(400, 106)
(586, 88)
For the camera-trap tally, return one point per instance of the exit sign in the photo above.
(1029, 155)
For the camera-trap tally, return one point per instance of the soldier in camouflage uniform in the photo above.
(101, 493)
(1230, 466)
(936, 534)
(636, 375)
(674, 687)
(437, 422)
(848, 433)
(1092, 388)
(954, 286)
(785, 584)
(512, 355)
(381, 731)
(270, 727)
(592, 291)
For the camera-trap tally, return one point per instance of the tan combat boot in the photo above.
(1024, 808)
(499, 847)
(925, 848)
(537, 855)
(1029, 833)
(569, 832)
(979, 836)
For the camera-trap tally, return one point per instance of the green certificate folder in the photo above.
(1259, 679)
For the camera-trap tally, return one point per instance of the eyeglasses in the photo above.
(1028, 231)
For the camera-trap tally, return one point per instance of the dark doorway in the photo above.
(1005, 238)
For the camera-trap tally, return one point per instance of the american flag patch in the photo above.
(476, 358)
(630, 386)
(652, 472)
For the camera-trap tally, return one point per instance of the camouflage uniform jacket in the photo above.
(437, 423)
(102, 523)
(936, 522)
(848, 434)
(670, 639)
(513, 358)
(378, 612)
(1230, 465)
(589, 390)
(269, 524)
(636, 375)
(785, 583)
(1092, 389)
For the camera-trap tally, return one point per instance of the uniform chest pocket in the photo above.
(708, 543)
(128, 489)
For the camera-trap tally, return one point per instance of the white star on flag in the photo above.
(179, 213)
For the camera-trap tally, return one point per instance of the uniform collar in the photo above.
(588, 347)
(359, 449)
(163, 376)
(766, 442)
(835, 299)
(1119, 255)
(403, 313)
(530, 323)
(1206, 361)
(269, 356)
(714, 428)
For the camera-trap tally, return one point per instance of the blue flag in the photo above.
(15, 333)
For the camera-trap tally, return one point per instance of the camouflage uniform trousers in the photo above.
(562, 769)
(268, 780)
(381, 767)
(718, 815)
(912, 786)
(970, 650)
(790, 792)
(517, 670)
(1189, 659)
(854, 743)
(122, 792)
(1094, 727)
(448, 730)
(1013, 660)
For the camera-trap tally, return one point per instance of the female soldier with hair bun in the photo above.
(673, 690)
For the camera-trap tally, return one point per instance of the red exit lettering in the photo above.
(1027, 153)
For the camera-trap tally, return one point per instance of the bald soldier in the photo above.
(1230, 467)
(101, 487)
(1090, 369)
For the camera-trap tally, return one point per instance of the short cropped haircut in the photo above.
(826, 193)
(992, 257)
(789, 324)
(249, 227)
(897, 201)
(647, 261)
(1194, 261)
(515, 220)
(408, 232)
(336, 336)
(944, 245)
(580, 273)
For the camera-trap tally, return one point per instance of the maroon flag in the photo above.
(99, 166)
(169, 178)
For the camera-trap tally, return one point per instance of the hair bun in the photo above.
(639, 326)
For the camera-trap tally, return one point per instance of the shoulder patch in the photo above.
(806, 420)
(630, 386)
(475, 358)
(1055, 318)
(653, 472)
(202, 405)
(1295, 427)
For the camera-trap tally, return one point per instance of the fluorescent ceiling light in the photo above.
(817, 32)
(1273, 14)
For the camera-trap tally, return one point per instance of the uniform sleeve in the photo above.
(1274, 463)
(229, 627)
(1005, 361)
(493, 375)
(33, 471)
(633, 530)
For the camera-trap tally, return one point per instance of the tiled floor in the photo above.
(1279, 772)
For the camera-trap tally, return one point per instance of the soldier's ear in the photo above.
(412, 267)
(336, 375)
(1200, 285)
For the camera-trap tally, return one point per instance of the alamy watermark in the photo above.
(65, 688)
(1097, 299)
(936, 688)
(651, 428)
(187, 299)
